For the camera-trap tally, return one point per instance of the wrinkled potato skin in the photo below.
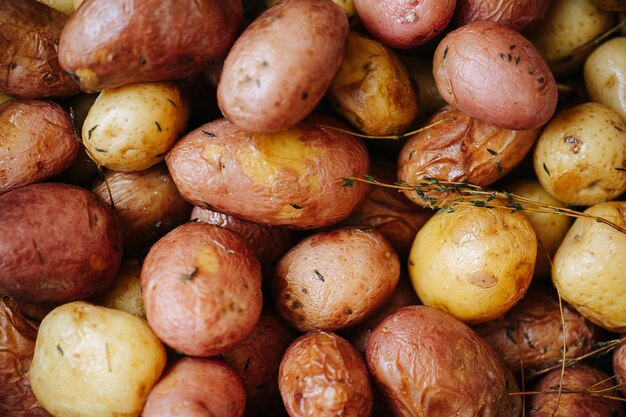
(332, 280)
(125, 292)
(458, 149)
(147, 203)
(112, 43)
(291, 176)
(429, 364)
(482, 76)
(619, 366)
(36, 142)
(197, 388)
(372, 89)
(59, 243)
(580, 158)
(29, 65)
(322, 375)
(515, 14)
(589, 267)
(201, 289)
(605, 75)
(270, 81)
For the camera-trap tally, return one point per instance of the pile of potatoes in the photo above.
(193, 220)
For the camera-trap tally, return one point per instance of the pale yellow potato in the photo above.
(605, 75)
(580, 158)
(64, 6)
(125, 292)
(346, 5)
(589, 267)
(4, 97)
(131, 128)
(94, 361)
(77, 3)
(474, 263)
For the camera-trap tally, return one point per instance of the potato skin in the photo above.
(619, 365)
(125, 292)
(59, 243)
(612, 5)
(112, 43)
(36, 142)
(494, 74)
(201, 289)
(322, 375)
(515, 14)
(605, 74)
(407, 359)
(291, 176)
(197, 388)
(280, 67)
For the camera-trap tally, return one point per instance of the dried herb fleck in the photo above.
(172, 102)
(209, 134)
(445, 52)
(245, 367)
(517, 58)
(621, 169)
(492, 152)
(318, 275)
(347, 182)
(545, 168)
(60, 350)
(90, 131)
(364, 229)
(295, 206)
(158, 126)
(192, 275)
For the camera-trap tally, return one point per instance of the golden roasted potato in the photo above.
(125, 292)
(605, 74)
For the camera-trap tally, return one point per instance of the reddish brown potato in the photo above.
(280, 67)
(36, 142)
(613, 5)
(58, 243)
(112, 43)
(515, 14)
(196, 387)
(29, 65)
(290, 176)
(201, 289)
(494, 74)
(322, 375)
(619, 366)
(334, 279)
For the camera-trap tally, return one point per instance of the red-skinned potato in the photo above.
(515, 14)
(494, 74)
(619, 365)
(36, 142)
(280, 67)
(59, 243)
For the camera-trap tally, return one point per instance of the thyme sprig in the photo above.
(392, 137)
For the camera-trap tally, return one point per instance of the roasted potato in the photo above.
(515, 14)
(619, 366)
(605, 74)
(125, 292)
(346, 5)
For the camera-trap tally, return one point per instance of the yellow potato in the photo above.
(125, 292)
(77, 3)
(346, 5)
(4, 97)
(93, 361)
(131, 128)
(64, 6)
(605, 75)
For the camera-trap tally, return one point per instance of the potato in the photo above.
(494, 74)
(461, 148)
(59, 243)
(196, 387)
(589, 267)
(515, 14)
(131, 128)
(405, 24)
(29, 65)
(612, 5)
(282, 64)
(332, 280)
(372, 89)
(4, 98)
(619, 366)
(346, 5)
(421, 72)
(474, 263)
(580, 158)
(36, 142)
(64, 6)
(428, 363)
(290, 176)
(109, 44)
(322, 375)
(125, 292)
(605, 75)
(201, 289)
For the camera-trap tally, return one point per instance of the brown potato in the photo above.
(125, 292)
(36, 142)
(280, 67)
(29, 65)
(59, 243)
(494, 74)
(109, 44)
(201, 289)
(291, 176)
(515, 14)
(428, 363)
(196, 387)
(619, 365)
(334, 279)
(612, 5)
(322, 375)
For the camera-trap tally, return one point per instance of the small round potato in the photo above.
(334, 279)
(322, 375)
(605, 74)
(589, 267)
(619, 365)
(131, 128)
(580, 158)
(93, 361)
(125, 292)
(516, 14)
(474, 263)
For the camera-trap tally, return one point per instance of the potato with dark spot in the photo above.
(516, 14)
(619, 365)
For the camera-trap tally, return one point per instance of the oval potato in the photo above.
(515, 14)
(605, 75)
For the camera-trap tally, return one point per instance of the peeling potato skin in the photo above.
(291, 176)
(36, 142)
(323, 375)
(619, 365)
(477, 71)
(407, 359)
(201, 289)
(68, 246)
(115, 42)
(515, 14)
(29, 65)
(461, 148)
